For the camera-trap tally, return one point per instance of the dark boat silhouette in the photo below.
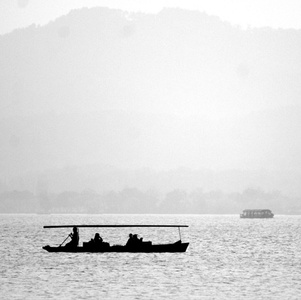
(139, 246)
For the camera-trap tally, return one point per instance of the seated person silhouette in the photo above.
(133, 240)
(97, 240)
(74, 238)
(130, 240)
(136, 240)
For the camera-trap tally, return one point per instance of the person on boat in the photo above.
(97, 239)
(133, 240)
(74, 238)
(136, 241)
(130, 240)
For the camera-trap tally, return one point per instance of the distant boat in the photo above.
(137, 246)
(257, 214)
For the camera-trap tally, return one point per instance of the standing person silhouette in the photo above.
(74, 238)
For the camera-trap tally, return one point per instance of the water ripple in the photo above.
(227, 258)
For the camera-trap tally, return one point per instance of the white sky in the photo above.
(255, 13)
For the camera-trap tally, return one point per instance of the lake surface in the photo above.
(228, 258)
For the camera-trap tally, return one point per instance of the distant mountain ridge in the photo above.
(108, 59)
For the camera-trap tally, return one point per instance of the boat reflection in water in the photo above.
(257, 214)
(135, 245)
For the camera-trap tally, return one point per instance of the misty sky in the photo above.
(255, 13)
(165, 88)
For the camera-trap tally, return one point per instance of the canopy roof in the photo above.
(135, 225)
(257, 210)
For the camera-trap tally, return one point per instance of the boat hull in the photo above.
(147, 248)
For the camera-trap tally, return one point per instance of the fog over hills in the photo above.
(180, 89)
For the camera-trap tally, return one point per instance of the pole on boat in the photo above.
(64, 240)
(180, 233)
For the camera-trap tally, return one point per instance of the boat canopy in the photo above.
(257, 210)
(134, 225)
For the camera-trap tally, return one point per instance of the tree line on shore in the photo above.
(133, 200)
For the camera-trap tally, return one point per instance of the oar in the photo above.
(64, 240)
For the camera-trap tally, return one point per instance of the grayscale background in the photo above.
(148, 112)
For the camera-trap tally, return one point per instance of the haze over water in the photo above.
(228, 258)
(183, 109)
(101, 100)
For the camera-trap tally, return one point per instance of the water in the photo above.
(228, 258)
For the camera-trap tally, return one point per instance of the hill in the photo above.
(175, 89)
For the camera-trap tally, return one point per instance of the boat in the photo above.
(257, 214)
(139, 246)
